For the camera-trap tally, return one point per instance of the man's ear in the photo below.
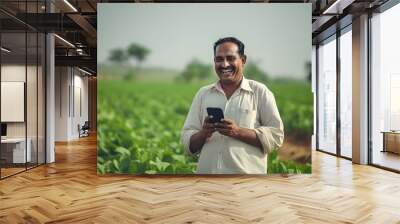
(244, 58)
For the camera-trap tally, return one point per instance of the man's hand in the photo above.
(228, 127)
(197, 140)
(208, 127)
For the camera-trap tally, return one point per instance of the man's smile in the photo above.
(226, 71)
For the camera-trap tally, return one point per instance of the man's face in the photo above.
(228, 63)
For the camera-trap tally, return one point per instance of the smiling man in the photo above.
(252, 127)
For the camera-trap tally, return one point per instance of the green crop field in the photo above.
(139, 126)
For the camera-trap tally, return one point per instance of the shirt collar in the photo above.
(243, 85)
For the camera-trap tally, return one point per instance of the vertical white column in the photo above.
(50, 92)
(360, 90)
(314, 92)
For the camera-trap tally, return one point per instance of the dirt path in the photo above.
(292, 149)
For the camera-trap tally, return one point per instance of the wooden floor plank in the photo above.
(70, 191)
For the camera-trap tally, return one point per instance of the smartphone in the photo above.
(217, 114)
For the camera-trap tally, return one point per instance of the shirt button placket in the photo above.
(219, 164)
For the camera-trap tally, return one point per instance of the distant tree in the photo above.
(252, 71)
(118, 56)
(196, 70)
(138, 52)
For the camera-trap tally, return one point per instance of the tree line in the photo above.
(195, 70)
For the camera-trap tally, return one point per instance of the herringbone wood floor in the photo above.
(70, 191)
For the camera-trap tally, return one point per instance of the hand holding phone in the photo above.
(215, 114)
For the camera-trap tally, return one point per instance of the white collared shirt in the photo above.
(251, 106)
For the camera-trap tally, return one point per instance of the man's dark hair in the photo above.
(232, 40)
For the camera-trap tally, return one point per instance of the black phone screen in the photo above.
(216, 112)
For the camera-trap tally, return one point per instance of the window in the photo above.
(22, 78)
(385, 87)
(327, 95)
(346, 93)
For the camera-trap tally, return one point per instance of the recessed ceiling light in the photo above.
(84, 71)
(70, 5)
(64, 40)
(337, 7)
(5, 49)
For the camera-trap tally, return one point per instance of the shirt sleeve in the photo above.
(270, 133)
(193, 122)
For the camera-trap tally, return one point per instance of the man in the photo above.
(252, 126)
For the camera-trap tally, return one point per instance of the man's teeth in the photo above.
(226, 71)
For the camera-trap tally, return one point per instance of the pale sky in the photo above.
(276, 36)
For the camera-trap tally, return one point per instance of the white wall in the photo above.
(62, 81)
(80, 100)
(71, 87)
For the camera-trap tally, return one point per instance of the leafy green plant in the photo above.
(284, 166)
(139, 126)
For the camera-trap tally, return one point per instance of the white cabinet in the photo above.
(17, 146)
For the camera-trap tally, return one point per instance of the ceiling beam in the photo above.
(86, 26)
(82, 61)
